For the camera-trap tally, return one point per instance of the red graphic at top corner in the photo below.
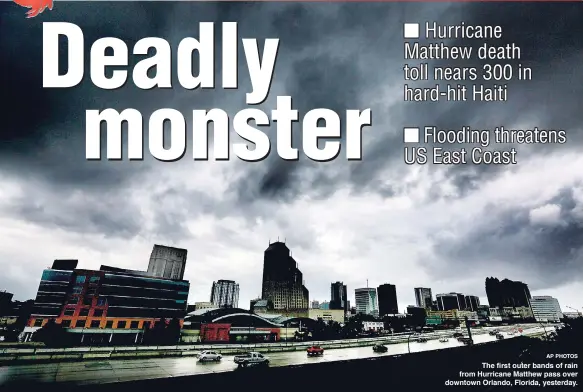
(36, 6)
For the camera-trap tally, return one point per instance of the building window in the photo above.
(95, 323)
(87, 301)
(146, 324)
(38, 322)
(97, 312)
(94, 279)
(69, 312)
(101, 301)
(66, 323)
(80, 279)
(121, 324)
(134, 324)
(80, 324)
(109, 324)
(84, 312)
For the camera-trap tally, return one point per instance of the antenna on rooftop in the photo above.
(277, 238)
(284, 239)
(367, 283)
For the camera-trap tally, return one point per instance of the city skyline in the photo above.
(438, 226)
(482, 299)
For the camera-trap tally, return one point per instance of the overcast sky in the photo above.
(447, 228)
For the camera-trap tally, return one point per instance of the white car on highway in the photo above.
(250, 359)
(209, 356)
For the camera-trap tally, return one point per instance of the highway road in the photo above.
(99, 372)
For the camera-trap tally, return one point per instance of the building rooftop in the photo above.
(170, 247)
(261, 303)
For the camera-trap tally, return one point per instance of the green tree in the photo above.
(156, 335)
(353, 326)
(52, 334)
(172, 332)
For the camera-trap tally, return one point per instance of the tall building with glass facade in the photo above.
(105, 302)
(507, 293)
(451, 301)
(423, 297)
(472, 303)
(366, 301)
(225, 294)
(339, 296)
(167, 262)
(546, 309)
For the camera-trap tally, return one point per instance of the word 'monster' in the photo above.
(109, 69)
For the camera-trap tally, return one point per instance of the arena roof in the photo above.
(216, 315)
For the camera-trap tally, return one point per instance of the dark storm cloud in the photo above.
(546, 34)
(79, 212)
(551, 253)
(345, 60)
(43, 129)
(331, 55)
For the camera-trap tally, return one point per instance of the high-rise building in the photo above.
(472, 303)
(339, 296)
(451, 301)
(325, 305)
(253, 302)
(366, 301)
(204, 305)
(507, 293)
(283, 283)
(315, 304)
(387, 298)
(225, 294)
(546, 309)
(167, 262)
(5, 302)
(417, 314)
(423, 297)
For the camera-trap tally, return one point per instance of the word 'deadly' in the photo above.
(114, 52)
(316, 124)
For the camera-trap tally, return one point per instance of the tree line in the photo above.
(164, 332)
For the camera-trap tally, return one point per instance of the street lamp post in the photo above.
(408, 342)
(467, 321)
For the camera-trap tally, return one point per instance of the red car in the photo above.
(315, 350)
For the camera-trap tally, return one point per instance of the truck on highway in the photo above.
(250, 359)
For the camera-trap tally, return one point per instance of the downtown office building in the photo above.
(225, 294)
(507, 293)
(387, 299)
(283, 285)
(423, 297)
(167, 262)
(109, 305)
(339, 296)
(366, 301)
(546, 309)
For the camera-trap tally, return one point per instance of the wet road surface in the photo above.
(99, 372)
